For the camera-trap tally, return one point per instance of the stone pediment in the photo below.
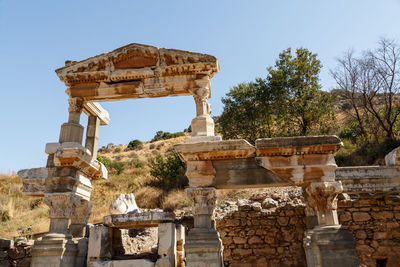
(137, 70)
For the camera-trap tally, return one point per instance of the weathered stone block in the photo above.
(99, 243)
(361, 216)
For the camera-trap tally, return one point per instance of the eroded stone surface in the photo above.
(138, 220)
(124, 204)
(137, 70)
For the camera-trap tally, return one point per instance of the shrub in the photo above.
(112, 166)
(134, 144)
(160, 135)
(148, 197)
(168, 171)
(117, 166)
(5, 216)
(136, 163)
(117, 150)
(106, 161)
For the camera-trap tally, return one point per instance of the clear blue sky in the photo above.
(36, 37)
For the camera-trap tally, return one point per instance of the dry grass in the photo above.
(147, 149)
(149, 197)
(105, 191)
(27, 211)
(176, 199)
(22, 211)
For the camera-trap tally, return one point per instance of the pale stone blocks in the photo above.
(99, 243)
(166, 245)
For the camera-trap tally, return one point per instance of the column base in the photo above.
(203, 248)
(54, 250)
(202, 125)
(330, 246)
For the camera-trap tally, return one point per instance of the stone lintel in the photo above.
(285, 146)
(138, 220)
(369, 179)
(95, 109)
(215, 150)
(302, 159)
(136, 71)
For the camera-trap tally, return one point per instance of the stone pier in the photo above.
(203, 246)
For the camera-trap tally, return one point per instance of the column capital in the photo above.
(75, 105)
(322, 197)
(60, 204)
(203, 199)
(323, 194)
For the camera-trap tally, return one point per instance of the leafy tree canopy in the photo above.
(288, 102)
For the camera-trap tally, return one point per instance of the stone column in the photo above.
(328, 243)
(57, 249)
(203, 246)
(203, 125)
(92, 135)
(72, 131)
(79, 218)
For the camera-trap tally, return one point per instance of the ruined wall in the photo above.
(15, 254)
(375, 223)
(268, 230)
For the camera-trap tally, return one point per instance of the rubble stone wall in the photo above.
(375, 224)
(15, 254)
(264, 232)
(257, 234)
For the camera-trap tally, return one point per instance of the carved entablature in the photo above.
(136, 71)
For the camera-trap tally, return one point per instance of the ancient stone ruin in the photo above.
(136, 71)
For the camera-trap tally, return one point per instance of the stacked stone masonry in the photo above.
(257, 235)
(16, 254)
(375, 224)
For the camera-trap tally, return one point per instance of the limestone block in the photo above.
(138, 220)
(302, 159)
(81, 257)
(369, 179)
(393, 157)
(200, 139)
(75, 155)
(121, 263)
(269, 203)
(54, 250)
(33, 181)
(203, 248)
(202, 126)
(124, 204)
(82, 187)
(95, 109)
(166, 244)
(200, 173)
(330, 246)
(71, 132)
(99, 243)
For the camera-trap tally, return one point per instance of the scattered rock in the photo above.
(269, 203)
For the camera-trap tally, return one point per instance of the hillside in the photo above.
(23, 215)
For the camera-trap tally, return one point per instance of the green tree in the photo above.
(288, 102)
(243, 116)
(168, 171)
(302, 106)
